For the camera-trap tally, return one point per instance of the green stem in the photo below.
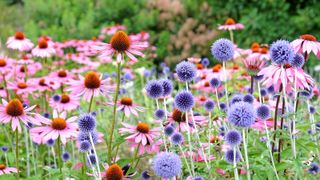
(90, 104)
(134, 158)
(114, 113)
(17, 154)
(59, 157)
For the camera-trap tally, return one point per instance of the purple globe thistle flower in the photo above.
(233, 137)
(222, 50)
(263, 92)
(186, 71)
(91, 160)
(314, 168)
(166, 70)
(87, 122)
(167, 87)
(83, 136)
(65, 156)
(242, 114)
(4, 148)
(235, 99)
(84, 146)
(258, 78)
(168, 130)
(127, 76)
(177, 138)
(281, 52)
(146, 73)
(263, 112)
(312, 110)
(50, 143)
(263, 139)
(145, 175)
(248, 98)
(208, 105)
(215, 83)
(198, 178)
(184, 101)
(308, 94)
(56, 98)
(297, 61)
(154, 89)
(159, 114)
(223, 106)
(205, 62)
(229, 156)
(270, 89)
(46, 115)
(167, 165)
(105, 75)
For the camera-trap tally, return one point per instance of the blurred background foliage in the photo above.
(179, 28)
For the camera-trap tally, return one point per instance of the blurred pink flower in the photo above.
(19, 42)
(230, 24)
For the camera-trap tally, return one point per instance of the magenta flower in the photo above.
(21, 87)
(253, 64)
(126, 105)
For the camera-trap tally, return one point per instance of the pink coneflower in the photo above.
(253, 64)
(59, 126)
(5, 65)
(306, 44)
(21, 87)
(200, 100)
(272, 75)
(43, 49)
(121, 44)
(140, 133)
(19, 42)
(115, 172)
(230, 24)
(67, 103)
(22, 70)
(14, 112)
(61, 76)
(90, 85)
(25, 59)
(44, 84)
(180, 118)
(7, 170)
(126, 105)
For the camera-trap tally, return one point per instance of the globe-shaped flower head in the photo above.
(233, 137)
(87, 123)
(281, 52)
(159, 114)
(222, 50)
(154, 89)
(236, 98)
(263, 112)
(208, 105)
(248, 98)
(186, 71)
(297, 61)
(184, 101)
(215, 82)
(229, 156)
(167, 87)
(242, 114)
(177, 138)
(167, 165)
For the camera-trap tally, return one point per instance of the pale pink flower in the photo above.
(253, 64)
(127, 107)
(230, 24)
(178, 119)
(43, 49)
(61, 76)
(7, 170)
(66, 103)
(21, 87)
(58, 127)
(140, 133)
(14, 112)
(19, 42)
(306, 44)
(5, 65)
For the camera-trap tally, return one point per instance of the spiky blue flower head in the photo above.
(83, 136)
(184, 101)
(177, 138)
(168, 130)
(146, 73)
(205, 62)
(159, 114)
(297, 61)
(270, 89)
(229, 156)
(87, 122)
(281, 52)
(263, 92)
(236, 98)
(167, 165)
(145, 175)
(166, 70)
(50, 142)
(248, 98)
(312, 110)
(198, 178)
(186, 71)
(233, 137)
(258, 78)
(127, 76)
(56, 98)
(314, 168)
(46, 115)
(154, 89)
(308, 94)
(223, 106)
(91, 160)
(263, 112)
(222, 50)
(65, 156)
(167, 86)
(215, 82)
(208, 105)
(242, 114)
(84, 146)
(4, 148)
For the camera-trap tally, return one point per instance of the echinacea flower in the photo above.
(306, 44)
(66, 102)
(7, 170)
(140, 133)
(179, 117)
(19, 42)
(230, 24)
(121, 44)
(115, 172)
(21, 87)
(253, 64)
(126, 105)
(89, 86)
(61, 76)
(58, 127)
(5, 65)
(43, 49)
(14, 112)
